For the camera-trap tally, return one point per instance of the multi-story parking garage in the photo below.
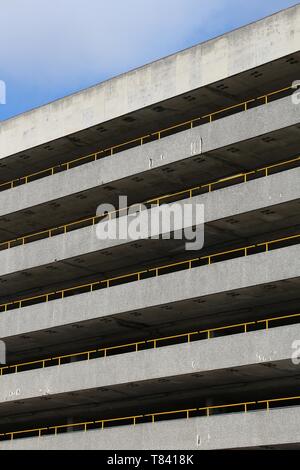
(141, 344)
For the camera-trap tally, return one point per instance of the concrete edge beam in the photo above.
(184, 145)
(239, 199)
(253, 429)
(242, 49)
(179, 286)
(233, 351)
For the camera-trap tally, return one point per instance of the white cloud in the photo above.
(65, 44)
(58, 38)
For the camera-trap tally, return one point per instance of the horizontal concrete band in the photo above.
(235, 52)
(236, 128)
(224, 276)
(252, 429)
(197, 357)
(242, 198)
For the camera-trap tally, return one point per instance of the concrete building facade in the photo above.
(139, 343)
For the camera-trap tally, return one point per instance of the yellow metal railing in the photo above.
(243, 106)
(137, 419)
(276, 400)
(154, 343)
(190, 192)
(136, 276)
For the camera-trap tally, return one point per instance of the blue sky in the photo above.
(52, 48)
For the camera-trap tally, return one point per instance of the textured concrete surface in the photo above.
(254, 195)
(277, 265)
(252, 429)
(235, 52)
(242, 198)
(182, 146)
(197, 357)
